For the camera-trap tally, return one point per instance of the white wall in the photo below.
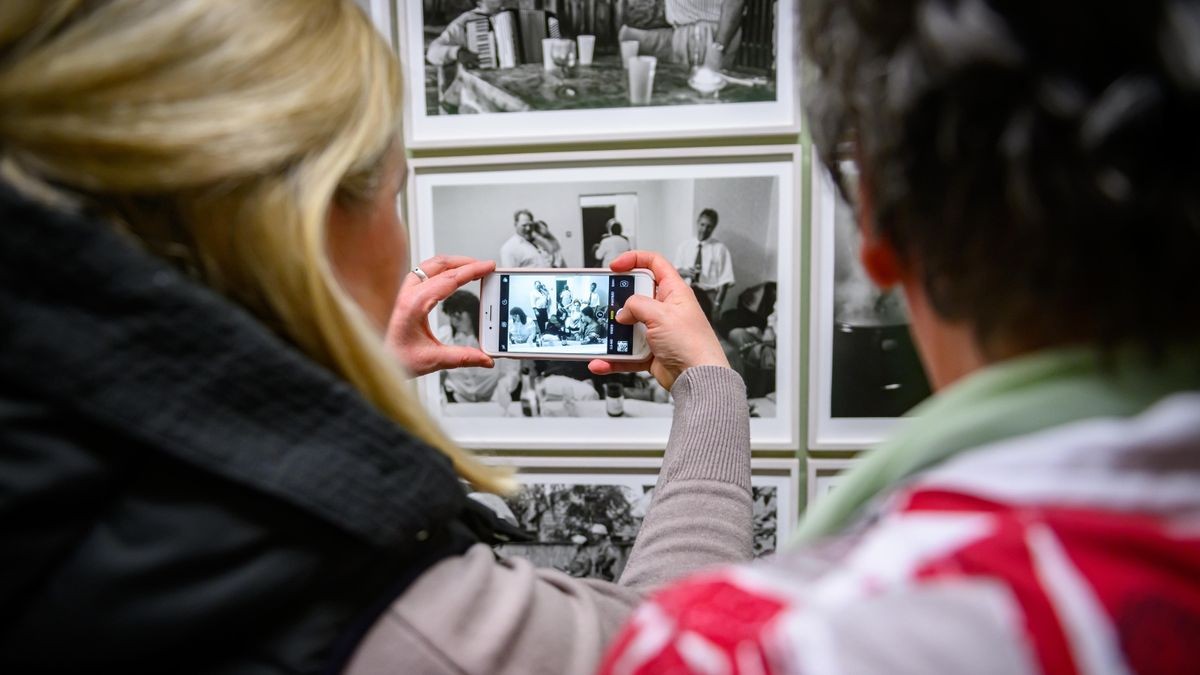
(476, 220)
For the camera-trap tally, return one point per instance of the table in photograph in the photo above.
(603, 84)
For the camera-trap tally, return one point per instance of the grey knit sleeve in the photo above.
(472, 614)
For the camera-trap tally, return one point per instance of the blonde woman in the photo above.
(209, 459)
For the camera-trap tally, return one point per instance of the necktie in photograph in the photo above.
(698, 266)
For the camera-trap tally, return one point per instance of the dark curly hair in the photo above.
(1036, 161)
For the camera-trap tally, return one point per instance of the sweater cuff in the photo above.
(710, 433)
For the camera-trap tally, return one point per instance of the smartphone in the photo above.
(565, 314)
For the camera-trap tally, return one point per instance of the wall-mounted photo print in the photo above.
(502, 72)
(824, 476)
(582, 516)
(727, 226)
(864, 367)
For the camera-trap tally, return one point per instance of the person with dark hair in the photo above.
(520, 329)
(470, 384)
(590, 330)
(1025, 174)
(548, 246)
(612, 245)
(520, 250)
(540, 300)
(706, 262)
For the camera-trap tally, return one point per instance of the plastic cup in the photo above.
(587, 47)
(641, 78)
(629, 49)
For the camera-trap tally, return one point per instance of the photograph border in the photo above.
(824, 467)
(777, 433)
(826, 432)
(380, 13)
(786, 471)
(548, 128)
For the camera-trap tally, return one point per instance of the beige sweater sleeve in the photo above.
(473, 614)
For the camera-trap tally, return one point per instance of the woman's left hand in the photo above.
(408, 333)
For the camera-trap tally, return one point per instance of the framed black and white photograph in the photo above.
(581, 515)
(863, 366)
(732, 214)
(824, 476)
(527, 72)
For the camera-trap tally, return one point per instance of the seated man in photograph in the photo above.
(705, 262)
(450, 50)
(612, 245)
(709, 29)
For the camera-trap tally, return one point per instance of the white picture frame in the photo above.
(778, 426)
(825, 430)
(824, 475)
(380, 12)
(425, 131)
(775, 483)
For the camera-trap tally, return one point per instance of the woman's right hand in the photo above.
(679, 335)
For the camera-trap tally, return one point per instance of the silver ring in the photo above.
(420, 273)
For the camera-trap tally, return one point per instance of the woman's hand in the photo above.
(679, 334)
(408, 333)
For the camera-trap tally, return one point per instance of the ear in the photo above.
(878, 256)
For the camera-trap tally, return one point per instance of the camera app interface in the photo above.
(552, 314)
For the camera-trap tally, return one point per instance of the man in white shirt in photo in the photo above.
(518, 250)
(539, 299)
(705, 262)
(612, 245)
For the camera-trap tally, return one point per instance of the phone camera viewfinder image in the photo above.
(565, 314)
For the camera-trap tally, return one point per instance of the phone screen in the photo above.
(564, 314)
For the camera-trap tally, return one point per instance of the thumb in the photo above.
(641, 308)
(456, 356)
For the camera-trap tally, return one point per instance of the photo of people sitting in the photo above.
(557, 314)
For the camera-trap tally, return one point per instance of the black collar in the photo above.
(112, 334)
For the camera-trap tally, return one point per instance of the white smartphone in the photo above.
(564, 314)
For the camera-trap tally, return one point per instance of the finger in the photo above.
(641, 308)
(602, 367)
(429, 293)
(440, 263)
(665, 275)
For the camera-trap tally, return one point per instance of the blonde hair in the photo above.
(219, 133)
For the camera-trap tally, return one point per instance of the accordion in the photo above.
(512, 37)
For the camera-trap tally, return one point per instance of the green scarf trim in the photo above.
(1005, 400)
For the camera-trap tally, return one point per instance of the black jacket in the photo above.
(181, 490)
